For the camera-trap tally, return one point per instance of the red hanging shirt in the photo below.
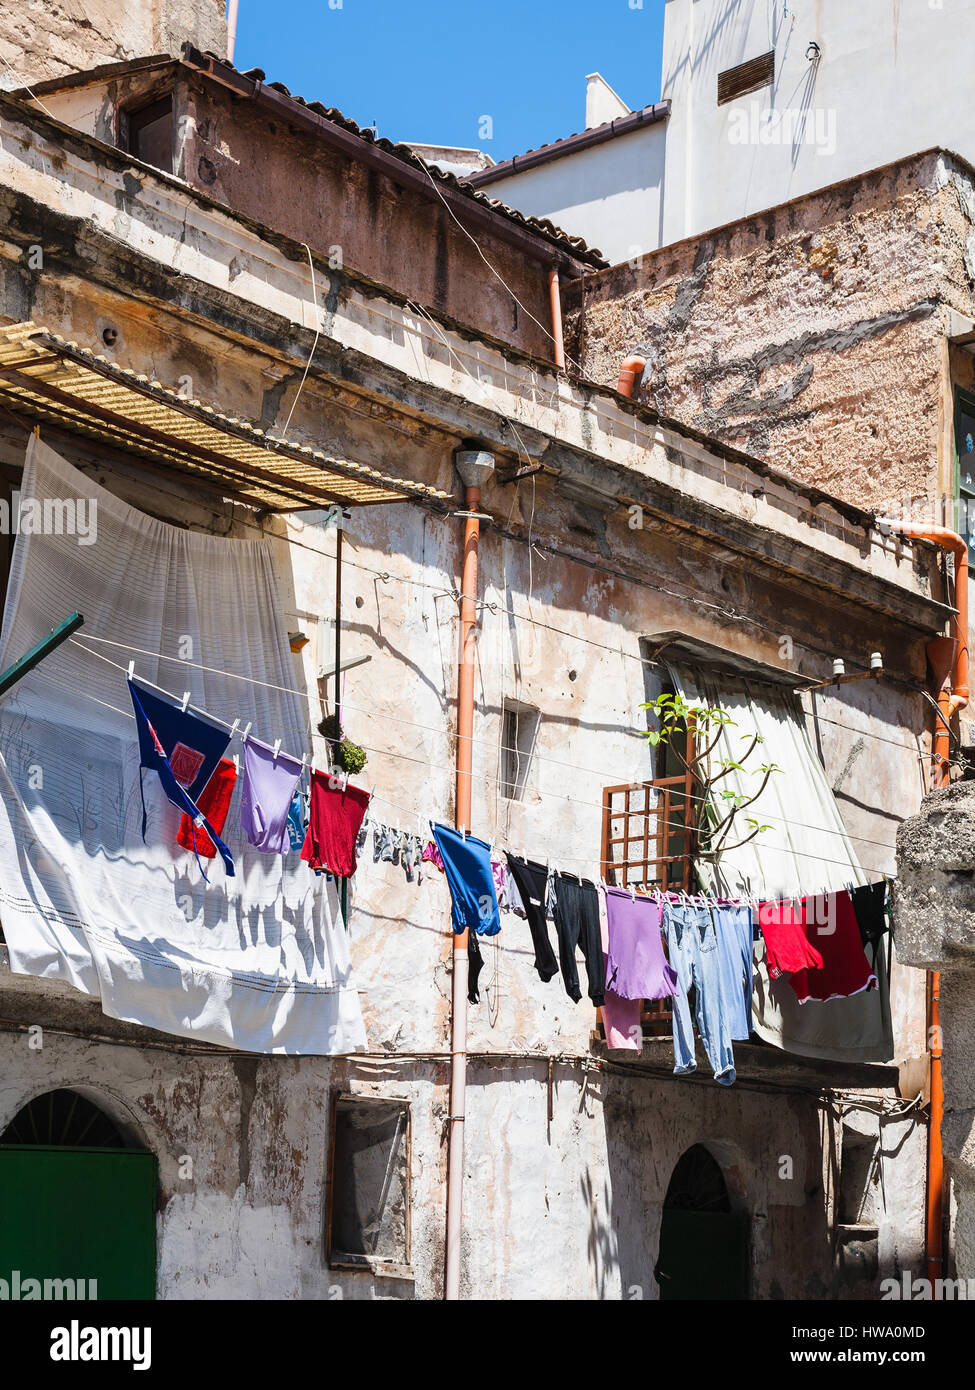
(214, 802)
(831, 922)
(334, 818)
(786, 947)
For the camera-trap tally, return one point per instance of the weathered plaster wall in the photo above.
(811, 335)
(556, 633)
(935, 930)
(40, 39)
(562, 1209)
(350, 215)
(362, 219)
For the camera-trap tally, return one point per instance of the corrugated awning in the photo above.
(44, 376)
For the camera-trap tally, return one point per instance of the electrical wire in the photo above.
(387, 577)
(522, 446)
(496, 273)
(314, 348)
(23, 85)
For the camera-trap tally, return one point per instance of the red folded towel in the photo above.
(214, 802)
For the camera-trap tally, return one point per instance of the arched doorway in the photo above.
(77, 1204)
(703, 1240)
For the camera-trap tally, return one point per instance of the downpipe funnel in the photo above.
(475, 466)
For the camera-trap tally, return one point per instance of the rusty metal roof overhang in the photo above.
(49, 379)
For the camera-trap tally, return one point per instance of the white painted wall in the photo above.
(610, 194)
(892, 79)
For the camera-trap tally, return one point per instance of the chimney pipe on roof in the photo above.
(231, 28)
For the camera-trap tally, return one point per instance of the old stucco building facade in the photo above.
(183, 274)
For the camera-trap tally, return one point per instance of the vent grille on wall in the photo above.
(746, 77)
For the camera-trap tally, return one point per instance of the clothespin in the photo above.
(277, 748)
(236, 763)
(131, 672)
(247, 729)
(234, 727)
(186, 699)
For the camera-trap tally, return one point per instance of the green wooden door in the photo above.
(76, 1213)
(703, 1255)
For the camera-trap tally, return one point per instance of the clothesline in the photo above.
(575, 767)
(419, 816)
(469, 868)
(415, 816)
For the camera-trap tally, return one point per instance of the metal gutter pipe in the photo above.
(474, 467)
(555, 297)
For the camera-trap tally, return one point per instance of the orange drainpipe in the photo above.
(555, 297)
(949, 661)
(474, 466)
(630, 372)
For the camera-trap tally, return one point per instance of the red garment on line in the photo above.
(334, 819)
(831, 921)
(786, 946)
(214, 802)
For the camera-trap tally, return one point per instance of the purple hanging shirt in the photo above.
(636, 967)
(267, 790)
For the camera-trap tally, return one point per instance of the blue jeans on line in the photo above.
(692, 949)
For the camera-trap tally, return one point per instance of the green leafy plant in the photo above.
(719, 808)
(347, 756)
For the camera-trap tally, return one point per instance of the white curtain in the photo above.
(258, 962)
(806, 849)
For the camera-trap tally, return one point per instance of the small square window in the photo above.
(149, 133)
(368, 1224)
(519, 734)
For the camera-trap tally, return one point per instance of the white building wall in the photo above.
(610, 194)
(890, 81)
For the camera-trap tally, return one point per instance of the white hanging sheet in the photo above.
(258, 962)
(806, 850)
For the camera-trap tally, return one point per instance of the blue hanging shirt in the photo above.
(184, 750)
(467, 865)
(297, 826)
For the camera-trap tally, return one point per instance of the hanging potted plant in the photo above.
(345, 755)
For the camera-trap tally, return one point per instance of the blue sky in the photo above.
(429, 70)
